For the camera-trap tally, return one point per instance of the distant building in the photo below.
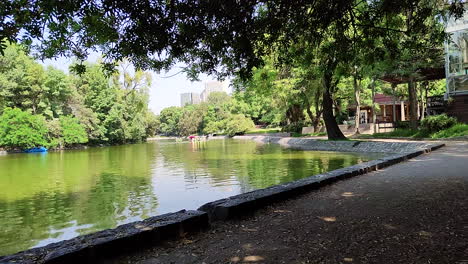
(189, 98)
(456, 67)
(214, 86)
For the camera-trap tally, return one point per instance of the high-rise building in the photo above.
(189, 98)
(213, 86)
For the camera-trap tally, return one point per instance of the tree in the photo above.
(218, 98)
(153, 124)
(58, 92)
(251, 104)
(21, 81)
(238, 124)
(72, 131)
(88, 119)
(118, 105)
(110, 109)
(215, 37)
(22, 130)
(169, 118)
(415, 43)
(191, 121)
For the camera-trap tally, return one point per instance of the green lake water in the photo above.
(45, 198)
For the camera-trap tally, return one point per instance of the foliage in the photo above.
(238, 124)
(314, 44)
(72, 131)
(153, 124)
(22, 130)
(318, 134)
(397, 133)
(169, 118)
(294, 127)
(109, 109)
(218, 98)
(437, 123)
(263, 131)
(191, 121)
(215, 119)
(458, 130)
(54, 133)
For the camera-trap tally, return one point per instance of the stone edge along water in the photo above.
(136, 235)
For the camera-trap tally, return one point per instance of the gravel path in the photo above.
(413, 212)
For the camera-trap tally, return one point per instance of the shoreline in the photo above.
(97, 245)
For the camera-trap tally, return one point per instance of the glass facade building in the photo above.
(456, 52)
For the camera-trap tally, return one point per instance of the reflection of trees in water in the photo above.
(216, 159)
(94, 190)
(77, 192)
(254, 166)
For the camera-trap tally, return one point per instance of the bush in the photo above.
(437, 123)
(72, 131)
(238, 124)
(54, 133)
(458, 130)
(294, 127)
(402, 124)
(22, 130)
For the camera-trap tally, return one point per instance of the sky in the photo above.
(164, 92)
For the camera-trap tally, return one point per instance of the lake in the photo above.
(49, 197)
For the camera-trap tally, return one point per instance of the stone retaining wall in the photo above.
(341, 146)
(96, 247)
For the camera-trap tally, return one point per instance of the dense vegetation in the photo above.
(435, 127)
(221, 114)
(327, 40)
(47, 107)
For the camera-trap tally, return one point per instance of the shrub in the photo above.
(238, 124)
(294, 127)
(458, 130)
(54, 133)
(437, 123)
(22, 130)
(72, 131)
(402, 124)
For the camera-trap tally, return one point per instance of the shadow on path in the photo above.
(412, 212)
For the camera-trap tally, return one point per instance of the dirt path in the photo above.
(413, 212)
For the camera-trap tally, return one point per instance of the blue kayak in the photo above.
(34, 150)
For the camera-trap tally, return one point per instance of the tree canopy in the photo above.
(69, 109)
(336, 38)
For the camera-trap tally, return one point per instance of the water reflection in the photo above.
(60, 195)
(48, 198)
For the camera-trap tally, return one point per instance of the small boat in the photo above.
(34, 150)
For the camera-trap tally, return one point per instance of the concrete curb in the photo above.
(93, 247)
(245, 203)
(341, 146)
(137, 235)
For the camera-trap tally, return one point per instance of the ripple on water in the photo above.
(48, 198)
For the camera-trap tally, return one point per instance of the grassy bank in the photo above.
(318, 134)
(263, 131)
(458, 130)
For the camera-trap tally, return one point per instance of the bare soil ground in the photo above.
(413, 212)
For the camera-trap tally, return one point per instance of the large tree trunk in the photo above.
(421, 96)
(413, 104)
(318, 110)
(358, 105)
(333, 131)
